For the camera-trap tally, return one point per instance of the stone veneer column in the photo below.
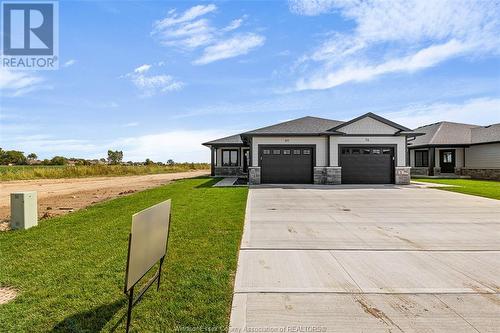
(253, 175)
(319, 175)
(334, 175)
(402, 175)
(327, 175)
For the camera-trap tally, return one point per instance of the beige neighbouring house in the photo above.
(366, 150)
(454, 149)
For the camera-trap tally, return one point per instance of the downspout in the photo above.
(212, 164)
(328, 150)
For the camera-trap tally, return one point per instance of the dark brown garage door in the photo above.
(367, 165)
(286, 164)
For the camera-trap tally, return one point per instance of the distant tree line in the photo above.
(115, 157)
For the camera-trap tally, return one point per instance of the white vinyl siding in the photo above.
(368, 140)
(368, 126)
(483, 156)
(319, 141)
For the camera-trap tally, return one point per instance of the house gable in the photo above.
(367, 126)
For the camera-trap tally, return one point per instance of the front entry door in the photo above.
(447, 161)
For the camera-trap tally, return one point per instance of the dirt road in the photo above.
(60, 196)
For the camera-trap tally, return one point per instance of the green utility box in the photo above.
(23, 210)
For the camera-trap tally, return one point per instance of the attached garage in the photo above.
(286, 164)
(367, 164)
(368, 149)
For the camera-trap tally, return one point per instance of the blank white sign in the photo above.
(148, 240)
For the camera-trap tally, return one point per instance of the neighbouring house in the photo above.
(368, 149)
(449, 148)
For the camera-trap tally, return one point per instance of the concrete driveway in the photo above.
(368, 259)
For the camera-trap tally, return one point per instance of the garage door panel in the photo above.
(286, 164)
(367, 165)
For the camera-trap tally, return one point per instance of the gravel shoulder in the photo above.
(60, 196)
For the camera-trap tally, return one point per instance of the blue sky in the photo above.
(155, 79)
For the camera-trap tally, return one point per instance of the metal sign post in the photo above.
(147, 246)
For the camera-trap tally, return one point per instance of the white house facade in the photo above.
(366, 150)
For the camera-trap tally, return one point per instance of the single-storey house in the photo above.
(368, 149)
(448, 148)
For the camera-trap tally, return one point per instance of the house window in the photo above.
(266, 152)
(366, 151)
(376, 151)
(421, 158)
(276, 151)
(447, 157)
(286, 151)
(307, 151)
(229, 157)
(296, 151)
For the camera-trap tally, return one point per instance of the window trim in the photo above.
(230, 164)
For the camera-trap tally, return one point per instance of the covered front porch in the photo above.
(433, 161)
(230, 161)
(229, 157)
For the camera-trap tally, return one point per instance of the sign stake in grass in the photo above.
(146, 247)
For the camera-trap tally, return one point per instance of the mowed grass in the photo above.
(70, 270)
(23, 172)
(482, 188)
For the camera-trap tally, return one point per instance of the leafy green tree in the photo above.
(59, 160)
(12, 157)
(170, 162)
(32, 156)
(148, 162)
(115, 157)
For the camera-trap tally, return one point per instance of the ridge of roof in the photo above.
(447, 122)
(310, 124)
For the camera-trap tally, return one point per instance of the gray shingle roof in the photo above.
(230, 140)
(304, 125)
(448, 133)
(485, 134)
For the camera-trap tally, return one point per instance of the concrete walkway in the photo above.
(368, 259)
(227, 181)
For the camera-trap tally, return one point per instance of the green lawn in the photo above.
(482, 188)
(70, 269)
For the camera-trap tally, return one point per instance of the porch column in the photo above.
(432, 161)
(212, 161)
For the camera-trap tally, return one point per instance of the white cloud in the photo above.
(235, 24)
(173, 18)
(68, 63)
(356, 72)
(150, 85)
(192, 30)
(131, 124)
(480, 111)
(397, 36)
(142, 69)
(179, 145)
(18, 83)
(311, 7)
(232, 47)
